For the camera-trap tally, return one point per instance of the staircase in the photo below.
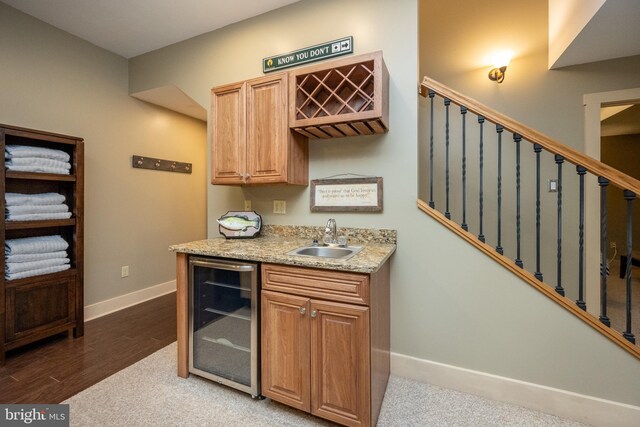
(534, 205)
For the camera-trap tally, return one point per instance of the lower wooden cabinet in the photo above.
(286, 360)
(35, 309)
(340, 362)
(317, 353)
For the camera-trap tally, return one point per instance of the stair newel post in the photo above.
(559, 289)
(463, 111)
(517, 138)
(603, 182)
(481, 193)
(447, 214)
(432, 94)
(580, 301)
(499, 130)
(629, 196)
(537, 148)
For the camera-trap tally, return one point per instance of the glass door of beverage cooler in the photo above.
(223, 322)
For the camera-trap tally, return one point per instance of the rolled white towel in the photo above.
(35, 245)
(39, 216)
(17, 267)
(38, 272)
(36, 209)
(35, 257)
(16, 199)
(36, 161)
(14, 151)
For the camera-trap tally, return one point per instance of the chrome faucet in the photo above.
(330, 232)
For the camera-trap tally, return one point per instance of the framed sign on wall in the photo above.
(346, 194)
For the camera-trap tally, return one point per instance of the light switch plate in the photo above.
(553, 186)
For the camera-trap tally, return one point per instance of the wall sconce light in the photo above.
(497, 74)
(501, 60)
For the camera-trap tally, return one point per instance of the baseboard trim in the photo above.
(562, 403)
(112, 305)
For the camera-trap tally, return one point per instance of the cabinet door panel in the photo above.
(340, 363)
(39, 306)
(285, 349)
(228, 139)
(267, 130)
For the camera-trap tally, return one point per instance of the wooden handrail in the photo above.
(570, 154)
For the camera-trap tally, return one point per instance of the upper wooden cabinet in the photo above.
(346, 97)
(250, 138)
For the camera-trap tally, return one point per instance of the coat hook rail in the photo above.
(152, 163)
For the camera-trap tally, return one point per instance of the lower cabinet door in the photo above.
(340, 363)
(37, 307)
(285, 349)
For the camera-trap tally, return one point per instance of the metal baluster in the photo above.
(629, 196)
(463, 111)
(603, 182)
(499, 130)
(432, 94)
(537, 149)
(447, 214)
(517, 138)
(559, 289)
(481, 123)
(580, 301)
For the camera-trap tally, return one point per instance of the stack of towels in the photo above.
(35, 207)
(33, 256)
(25, 158)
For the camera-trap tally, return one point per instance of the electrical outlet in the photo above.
(279, 207)
(612, 245)
(125, 271)
(247, 205)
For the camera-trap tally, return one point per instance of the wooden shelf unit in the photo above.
(36, 307)
(346, 97)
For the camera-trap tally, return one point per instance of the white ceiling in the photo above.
(133, 27)
(612, 32)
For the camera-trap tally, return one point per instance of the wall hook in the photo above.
(140, 162)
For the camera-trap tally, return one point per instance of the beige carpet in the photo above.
(149, 393)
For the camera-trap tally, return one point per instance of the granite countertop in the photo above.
(275, 241)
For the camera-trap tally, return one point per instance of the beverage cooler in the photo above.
(223, 322)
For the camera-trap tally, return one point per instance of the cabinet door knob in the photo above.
(303, 310)
(314, 313)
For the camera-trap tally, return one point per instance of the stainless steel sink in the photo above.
(326, 251)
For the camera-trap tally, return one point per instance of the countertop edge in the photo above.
(282, 258)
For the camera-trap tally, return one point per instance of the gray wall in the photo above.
(449, 303)
(455, 39)
(53, 81)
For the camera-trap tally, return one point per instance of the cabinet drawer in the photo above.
(323, 284)
(39, 306)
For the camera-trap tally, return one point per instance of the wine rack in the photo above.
(346, 97)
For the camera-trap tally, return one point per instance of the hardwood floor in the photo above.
(55, 369)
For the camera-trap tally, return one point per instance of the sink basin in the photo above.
(326, 251)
